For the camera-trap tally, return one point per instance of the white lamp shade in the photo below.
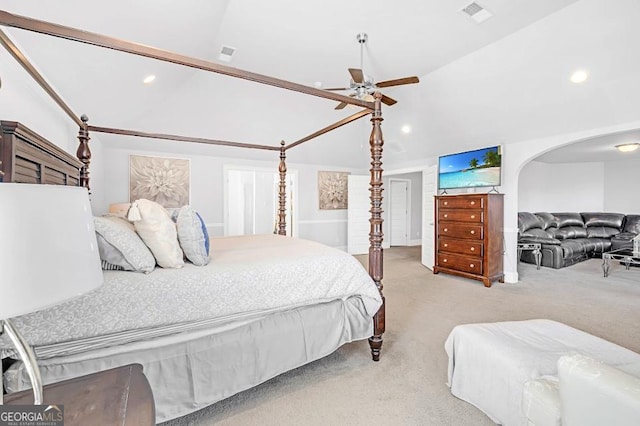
(48, 247)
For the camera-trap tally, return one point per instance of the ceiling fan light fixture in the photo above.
(628, 147)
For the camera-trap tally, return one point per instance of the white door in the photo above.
(358, 214)
(251, 201)
(429, 189)
(399, 212)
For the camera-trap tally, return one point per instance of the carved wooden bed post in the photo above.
(282, 193)
(375, 234)
(84, 153)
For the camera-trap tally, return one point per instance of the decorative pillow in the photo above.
(157, 230)
(192, 235)
(120, 246)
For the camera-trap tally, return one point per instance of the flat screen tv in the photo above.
(471, 169)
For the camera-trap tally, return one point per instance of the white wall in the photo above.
(565, 187)
(207, 192)
(622, 179)
(22, 100)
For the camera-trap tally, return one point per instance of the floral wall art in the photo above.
(332, 190)
(159, 179)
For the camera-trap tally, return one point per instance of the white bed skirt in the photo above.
(190, 371)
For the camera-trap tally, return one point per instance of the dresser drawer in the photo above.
(460, 263)
(458, 230)
(460, 215)
(460, 202)
(473, 248)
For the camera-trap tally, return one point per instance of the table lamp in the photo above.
(48, 254)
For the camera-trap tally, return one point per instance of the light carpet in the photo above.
(407, 386)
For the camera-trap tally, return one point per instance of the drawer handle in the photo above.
(446, 230)
(473, 216)
(446, 245)
(473, 249)
(473, 232)
(446, 202)
(446, 215)
(472, 265)
(473, 203)
(444, 260)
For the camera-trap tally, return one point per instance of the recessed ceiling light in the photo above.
(406, 129)
(628, 147)
(317, 84)
(579, 76)
(149, 79)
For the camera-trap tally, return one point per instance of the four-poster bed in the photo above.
(375, 259)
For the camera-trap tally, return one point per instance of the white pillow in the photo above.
(157, 230)
(192, 235)
(120, 246)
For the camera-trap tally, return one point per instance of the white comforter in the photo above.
(247, 276)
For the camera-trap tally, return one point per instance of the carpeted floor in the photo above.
(407, 386)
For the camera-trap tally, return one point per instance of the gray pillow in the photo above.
(192, 235)
(120, 245)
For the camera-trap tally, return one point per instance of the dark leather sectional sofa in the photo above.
(568, 238)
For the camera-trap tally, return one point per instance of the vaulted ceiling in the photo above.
(504, 80)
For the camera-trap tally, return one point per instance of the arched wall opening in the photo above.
(515, 157)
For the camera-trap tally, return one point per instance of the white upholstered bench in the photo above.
(490, 363)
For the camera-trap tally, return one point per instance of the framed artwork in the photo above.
(163, 180)
(332, 190)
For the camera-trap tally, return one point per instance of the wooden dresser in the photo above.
(469, 239)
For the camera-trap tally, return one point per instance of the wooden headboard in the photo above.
(27, 157)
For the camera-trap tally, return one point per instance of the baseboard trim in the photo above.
(511, 277)
(414, 243)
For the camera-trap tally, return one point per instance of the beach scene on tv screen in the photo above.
(470, 169)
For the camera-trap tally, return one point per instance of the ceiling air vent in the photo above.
(226, 53)
(477, 12)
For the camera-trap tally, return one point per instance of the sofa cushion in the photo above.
(632, 224)
(548, 220)
(611, 220)
(568, 219)
(601, 232)
(527, 221)
(569, 232)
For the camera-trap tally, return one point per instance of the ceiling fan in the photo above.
(363, 85)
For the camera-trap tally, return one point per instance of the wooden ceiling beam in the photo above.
(179, 138)
(68, 33)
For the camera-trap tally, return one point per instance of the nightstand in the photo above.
(120, 396)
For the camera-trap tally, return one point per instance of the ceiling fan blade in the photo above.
(339, 88)
(398, 82)
(341, 105)
(357, 75)
(387, 100)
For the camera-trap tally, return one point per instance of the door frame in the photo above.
(292, 173)
(408, 216)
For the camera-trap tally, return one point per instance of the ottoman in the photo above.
(490, 363)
